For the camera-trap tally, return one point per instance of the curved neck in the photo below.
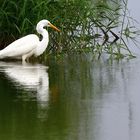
(45, 38)
(43, 43)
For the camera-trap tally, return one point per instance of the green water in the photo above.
(72, 98)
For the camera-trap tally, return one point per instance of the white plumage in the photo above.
(29, 45)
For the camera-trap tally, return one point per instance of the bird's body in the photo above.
(20, 47)
(29, 45)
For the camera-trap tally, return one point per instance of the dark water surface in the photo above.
(72, 98)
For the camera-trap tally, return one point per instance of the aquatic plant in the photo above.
(86, 26)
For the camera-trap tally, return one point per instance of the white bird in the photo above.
(29, 45)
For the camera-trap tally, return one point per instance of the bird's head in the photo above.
(45, 23)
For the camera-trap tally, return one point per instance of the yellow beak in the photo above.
(55, 28)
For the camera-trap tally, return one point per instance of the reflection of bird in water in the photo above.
(30, 77)
(30, 44)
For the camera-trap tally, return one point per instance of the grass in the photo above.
(99, 27)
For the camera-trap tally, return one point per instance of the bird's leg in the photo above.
(24, 59)
(29, 55)
(27, 59)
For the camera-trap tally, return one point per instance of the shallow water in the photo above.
(71, 98)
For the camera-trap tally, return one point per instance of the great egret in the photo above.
(29, 45)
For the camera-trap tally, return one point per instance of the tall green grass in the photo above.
(19, 18)
(86, 25)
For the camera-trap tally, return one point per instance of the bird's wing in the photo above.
(21, 46)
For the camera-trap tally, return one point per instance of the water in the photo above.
(71, 98)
